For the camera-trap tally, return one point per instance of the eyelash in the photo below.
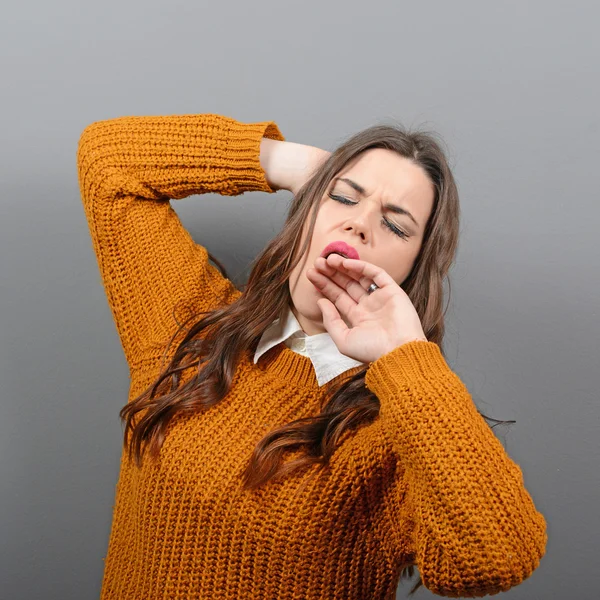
(399, 232)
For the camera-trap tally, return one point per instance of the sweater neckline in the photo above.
(297, 369)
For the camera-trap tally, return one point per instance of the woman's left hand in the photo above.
(363, 326)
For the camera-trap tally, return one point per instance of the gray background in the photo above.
(513, 89)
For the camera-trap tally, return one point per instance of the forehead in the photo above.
(394, 178)
(383, 170)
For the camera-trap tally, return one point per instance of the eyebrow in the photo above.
(361, 190)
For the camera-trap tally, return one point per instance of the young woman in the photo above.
(304, 437)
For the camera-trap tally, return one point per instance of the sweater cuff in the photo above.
(411, 362)
(243, 154)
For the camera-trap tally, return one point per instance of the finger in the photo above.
(369, 271)
(365, 282)
(333, 322)
(334, 271)
(336, 294)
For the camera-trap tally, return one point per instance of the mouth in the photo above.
(341, 248)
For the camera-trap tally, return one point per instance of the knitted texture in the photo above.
(426, 483)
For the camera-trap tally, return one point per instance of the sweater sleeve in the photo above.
(129, 168)
(475, 529)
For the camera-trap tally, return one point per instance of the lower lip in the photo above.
(352, 252)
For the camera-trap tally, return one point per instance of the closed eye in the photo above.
(396, 230)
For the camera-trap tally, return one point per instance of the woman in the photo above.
(305, 437)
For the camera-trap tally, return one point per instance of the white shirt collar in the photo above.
(327, 360)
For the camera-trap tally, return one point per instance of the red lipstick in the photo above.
(341, 248)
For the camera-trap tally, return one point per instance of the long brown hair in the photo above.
(215, 343)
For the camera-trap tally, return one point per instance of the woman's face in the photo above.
(386, 178)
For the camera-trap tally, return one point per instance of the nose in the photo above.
(362, 219)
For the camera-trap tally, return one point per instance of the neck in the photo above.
(308, 326)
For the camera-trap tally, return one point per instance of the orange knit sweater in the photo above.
(426, 483)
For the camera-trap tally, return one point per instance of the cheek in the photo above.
(400, 271)
(298, 274)
(298, 277)
(301, 287)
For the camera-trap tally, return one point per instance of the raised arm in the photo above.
(129, 168)
(474, 527)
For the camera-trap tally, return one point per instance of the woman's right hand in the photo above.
(288, 165)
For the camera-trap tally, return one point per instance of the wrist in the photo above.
(406, 340)
(288, 165)
(269, 161)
